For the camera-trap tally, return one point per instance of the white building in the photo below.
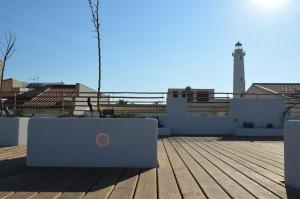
(203, 112)
(199, 102)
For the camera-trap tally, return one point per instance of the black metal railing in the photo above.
(68, 103)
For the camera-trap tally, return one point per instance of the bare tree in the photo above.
(8, 47)
(95, 8)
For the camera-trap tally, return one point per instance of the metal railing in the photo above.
(141, 103)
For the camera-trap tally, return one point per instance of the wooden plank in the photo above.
(279, 150)
(82, 186)
(261, 143)
(251, 154)
(125, 188)
(12, 171)
(11, 149)
(56, 189)
(252, 147)
(14, 183)
(210, 187)
(105, 185)
(265, 145)
(278, 159)
(254, 188)
(10, 155)
(39, 186)
(167, 186)
(261, 180)
(188, 186)
(232, 187)
(146, 187)
(260, 146)
(12, 164)
(249, 158)
(276, 146)
(7, 164)
(3, 148)
(272, 176)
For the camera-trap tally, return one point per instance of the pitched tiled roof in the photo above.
(50, 96)
(135, 108)
(279, 87)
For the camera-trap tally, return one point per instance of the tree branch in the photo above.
(7, 50)
(94, 8)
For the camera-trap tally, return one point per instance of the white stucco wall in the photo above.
(258, 111)
(178, 120)
(13, 131)
(72, 142)
(81, 104)
(292, 153)
(259, 132)
(164, 131)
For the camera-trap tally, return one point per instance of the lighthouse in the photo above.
(238, 71)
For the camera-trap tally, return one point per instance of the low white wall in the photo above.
(260, 112)
(13, 131)
(73, 142)
(259, 132)
(292, 153)
(164, 131)
(203, 125)
(178, 120)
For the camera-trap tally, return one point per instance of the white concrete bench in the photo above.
(92, 142)
(292, 154)
(13, 131)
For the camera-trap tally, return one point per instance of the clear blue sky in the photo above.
(152, 45)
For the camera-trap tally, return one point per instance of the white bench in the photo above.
(92, 142)
(292, 154)
(13, 131)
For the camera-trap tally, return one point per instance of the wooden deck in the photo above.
(189, 167)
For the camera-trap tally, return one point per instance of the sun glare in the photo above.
(269, 4)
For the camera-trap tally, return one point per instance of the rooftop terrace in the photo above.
(189, 167)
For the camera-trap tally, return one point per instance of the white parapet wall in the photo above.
(13, 131)
(259, 112)
(259, 132)
(292, 153)
(92, 142)
(164, 131)
(203, 125)
(178, 120)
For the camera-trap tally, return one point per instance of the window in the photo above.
(202, 96)
(190, 96)
(183, 94)
(175, 94)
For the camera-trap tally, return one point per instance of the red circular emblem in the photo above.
(102, 140)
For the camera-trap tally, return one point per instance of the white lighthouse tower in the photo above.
(239, 71)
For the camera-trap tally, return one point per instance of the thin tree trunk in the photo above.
(1, 89)
(99, 79)
(7, 53)
(94, 7)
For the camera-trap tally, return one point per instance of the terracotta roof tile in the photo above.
(50, 96)
(280, 87)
